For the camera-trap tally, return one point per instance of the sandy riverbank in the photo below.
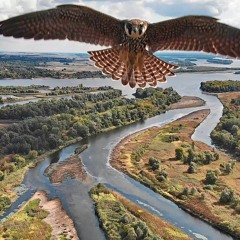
(57, 218)
(188, 102)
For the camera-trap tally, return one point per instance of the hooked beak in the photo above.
(135, 29)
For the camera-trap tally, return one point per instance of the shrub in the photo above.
(186, 191)
(162, 176)
(227, 196)
(211, 177)
(153, 163)
(192, 168)
(179, 153)
(5, 202)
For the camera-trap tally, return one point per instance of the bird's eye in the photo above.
(129, 27)
(141, 25)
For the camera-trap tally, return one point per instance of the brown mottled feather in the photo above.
(77, 23)
(194, 33)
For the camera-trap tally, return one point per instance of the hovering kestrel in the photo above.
(132, 42)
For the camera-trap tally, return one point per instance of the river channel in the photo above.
(74, 193)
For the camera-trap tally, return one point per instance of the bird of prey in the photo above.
(132, 42)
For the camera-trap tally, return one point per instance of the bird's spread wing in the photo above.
(194, 33)
(71, 22)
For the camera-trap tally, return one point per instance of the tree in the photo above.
(208, 157)
(179, 153)
(153, 163)
(192, 168)
(190, 156)
(227, 196)
(211, 177)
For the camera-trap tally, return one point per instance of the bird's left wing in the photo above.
(194, 33)
(73, 22)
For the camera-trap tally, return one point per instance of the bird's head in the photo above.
(135, 28)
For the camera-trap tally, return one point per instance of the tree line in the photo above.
(227, 133)
(50, 124)
(220, 86)
(81, 103)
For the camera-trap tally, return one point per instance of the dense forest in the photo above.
(220, 86)
(46, 125)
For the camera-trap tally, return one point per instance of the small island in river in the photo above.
(69, 168)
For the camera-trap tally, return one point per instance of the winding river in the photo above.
(74, 193)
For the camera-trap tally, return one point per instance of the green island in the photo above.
(122, 219)
(200, 179)
(31, 131)
(220, 86)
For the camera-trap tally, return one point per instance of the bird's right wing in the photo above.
(73, 22)
(194, 33)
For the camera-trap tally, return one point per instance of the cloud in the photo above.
(179, 8)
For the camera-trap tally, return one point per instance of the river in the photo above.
(74, 193)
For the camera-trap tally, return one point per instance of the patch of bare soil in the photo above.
(70, 168)
(188, 102)
(58, 219)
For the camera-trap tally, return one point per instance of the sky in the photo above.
(227, 11)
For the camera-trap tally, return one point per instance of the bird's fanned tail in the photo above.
(108, 60)
(146, 69)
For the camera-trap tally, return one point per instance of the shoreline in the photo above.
(57, 218)
(124, 166)
(71, 167)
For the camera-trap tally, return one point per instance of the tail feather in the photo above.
(151, 75)
(111, 68)
(119, 72)
(146, 69)
(139, 78)
(160, 66)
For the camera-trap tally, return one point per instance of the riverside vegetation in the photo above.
(227, 133)
(200, 179)
(27, 224)
(122, 219)
(40, 218)
(49, 125)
